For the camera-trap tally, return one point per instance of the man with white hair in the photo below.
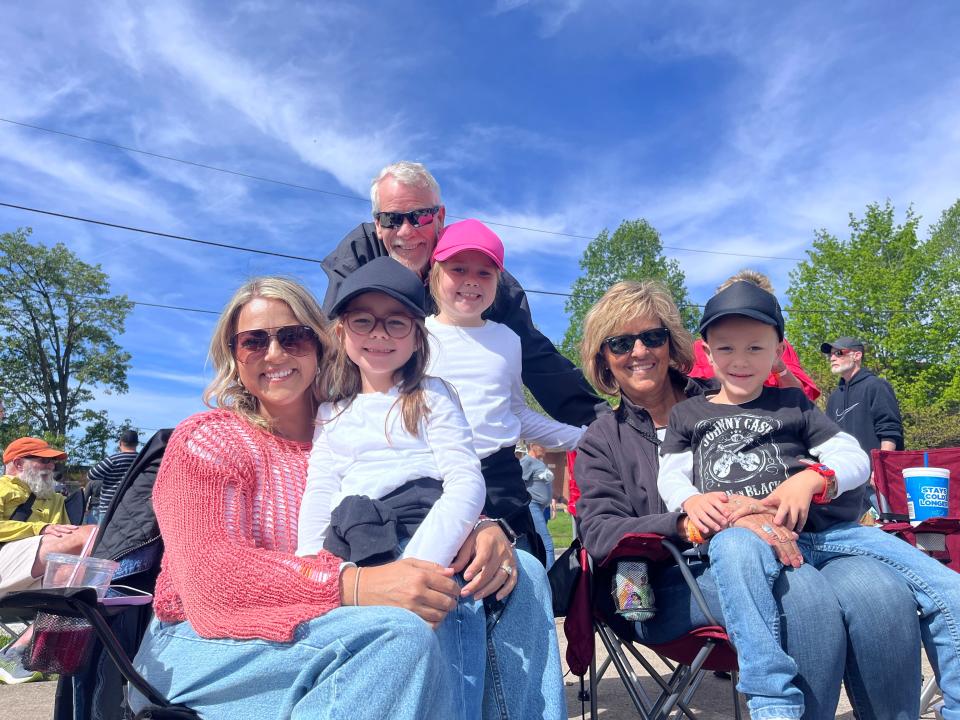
(408, 216)
(33, 524)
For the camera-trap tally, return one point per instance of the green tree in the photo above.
(58, 324)
(633, 252)
(884, 285)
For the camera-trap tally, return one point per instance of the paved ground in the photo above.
(713, 700)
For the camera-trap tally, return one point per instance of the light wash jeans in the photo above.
(524, 679)
(351, 662)
(539, 514)
(745, 568)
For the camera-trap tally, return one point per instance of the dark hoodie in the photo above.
(866, 408)
(556, 383)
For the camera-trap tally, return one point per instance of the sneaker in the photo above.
(12, 671)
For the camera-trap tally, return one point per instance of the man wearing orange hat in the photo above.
(33, 524)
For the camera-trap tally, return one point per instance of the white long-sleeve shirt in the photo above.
(366, 450)
(484, 364)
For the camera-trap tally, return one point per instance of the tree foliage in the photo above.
(58, 325)
(895, 292)
(633, 252)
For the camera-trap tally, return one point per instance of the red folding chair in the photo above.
(687, 659)
(938, 537)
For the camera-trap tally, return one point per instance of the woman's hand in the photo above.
(708, 511)
(422, 587)
(481, 559)
(781, 539)
(741, 506)
(792, 498)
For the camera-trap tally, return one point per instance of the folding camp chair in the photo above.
(687, 659)
(938, 537)
(130, 536)
(13, 623)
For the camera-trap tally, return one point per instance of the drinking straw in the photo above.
(84, 551)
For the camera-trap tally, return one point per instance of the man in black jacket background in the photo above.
(408, 216)
(863, 405)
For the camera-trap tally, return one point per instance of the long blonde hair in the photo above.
(342, 383)
(623, 302)
(225, 390)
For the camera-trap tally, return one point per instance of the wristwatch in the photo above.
(504, 525)
(829, 491)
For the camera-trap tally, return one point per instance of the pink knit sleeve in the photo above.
(203, 497)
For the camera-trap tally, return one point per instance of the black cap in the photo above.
(743, 298)
(130, 437)
(842, 343)
(386, 275)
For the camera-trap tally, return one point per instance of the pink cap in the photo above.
(469, 235)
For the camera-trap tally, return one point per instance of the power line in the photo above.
(157, 233)
(792, 311)
(332, 193)
(240, 248)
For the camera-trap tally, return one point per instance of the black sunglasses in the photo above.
(416, 218)
(296, 340)
(622, 344)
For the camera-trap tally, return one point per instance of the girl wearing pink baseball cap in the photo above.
(481, 358)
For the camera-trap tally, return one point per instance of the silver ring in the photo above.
(507, 568)
(766, 528)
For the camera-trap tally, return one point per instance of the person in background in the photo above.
(786, 373)
(110, 471)
(863, 404)
(538, 479)
(33, 524)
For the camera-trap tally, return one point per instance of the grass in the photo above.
(561, 530)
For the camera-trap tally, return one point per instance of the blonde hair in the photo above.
(434, 277)
(225, 390)
(754, 277)
(622, 303)
(342, 381)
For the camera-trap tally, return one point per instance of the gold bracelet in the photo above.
(356, 587)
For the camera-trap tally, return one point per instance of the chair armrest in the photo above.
(657, 549)
(57, 601)
(645, 546)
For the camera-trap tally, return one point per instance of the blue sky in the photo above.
(738, 127)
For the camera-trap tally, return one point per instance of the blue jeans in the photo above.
(935, 588)
(539, 514)
(375, 661)
(869, 572)
(461, 637)
(524, 679)
(812, 626)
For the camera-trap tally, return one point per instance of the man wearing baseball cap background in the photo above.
(33, 524)
(863, 404)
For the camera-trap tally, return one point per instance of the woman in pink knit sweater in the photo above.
(244, 628)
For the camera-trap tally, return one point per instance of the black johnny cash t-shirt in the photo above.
(751, 448)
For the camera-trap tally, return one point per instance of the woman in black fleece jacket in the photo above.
(635, 346)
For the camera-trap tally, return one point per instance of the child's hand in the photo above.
(792, 499)
(707, 511)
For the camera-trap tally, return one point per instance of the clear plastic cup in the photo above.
(75, 571)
